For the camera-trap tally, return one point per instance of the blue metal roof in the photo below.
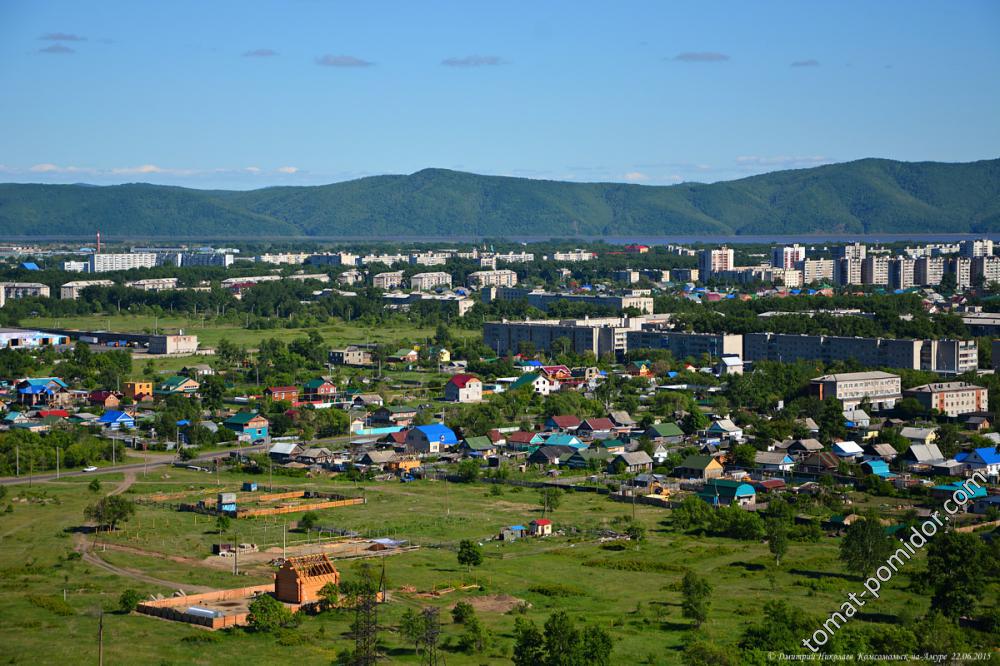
(438, 432)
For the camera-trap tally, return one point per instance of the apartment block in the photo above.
(103, 262)
(951, 398)
(573, 255)
(598, 335)
(14, 290)
(816, 270)
(856, 251)
(985, 269)
(976, 248)
(72, 290)
(544, 299)
(881, 389)
(682, 345)
(847, 272)
(390, 280)
(928, 271)
(496, 278)
(787, 256)
(902, 273)
(875, 270)
(961, 268)
(428, 281)
(716, 260)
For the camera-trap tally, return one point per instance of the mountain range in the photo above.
(864, 196)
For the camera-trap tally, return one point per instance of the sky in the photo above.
(246, 94)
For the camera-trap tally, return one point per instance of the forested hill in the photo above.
(870, 195)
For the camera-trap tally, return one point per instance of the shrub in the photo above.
(128, 600)
(54, 605)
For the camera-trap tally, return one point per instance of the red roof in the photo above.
(541, 521)
(520, 437)
(398, 437)
(62, 413)
(566, 421)
(284, 389)
(599, 424)
(495, 435)
(461, 380)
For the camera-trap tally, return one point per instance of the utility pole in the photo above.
(57, 462)
(100, 639)
(17, 460)
(284, 541)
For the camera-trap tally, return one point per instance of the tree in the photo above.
(411, 627)
(329, 595)
(128, 600)
(469, 553)
(94, 486)
(476, 638)
(308, 520)
(865, 545)
(693, 513)
(468, 471)
(549, 498)
(529, 645)
(110, 511)
(955, 562)
(746, 455)
(695, 592)
(703, 653)
(777, 539)
(635, 532)
(268, 614)
(223, 523)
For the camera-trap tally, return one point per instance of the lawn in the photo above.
(632, 592)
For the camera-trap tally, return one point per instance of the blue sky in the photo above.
(244, 94)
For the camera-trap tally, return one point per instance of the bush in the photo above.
(55, 605)
(556, 590)
(268, 614)
(462, 612)
(128, 600)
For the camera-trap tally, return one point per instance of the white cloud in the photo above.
(287, 169)
(635, 176)
(782, 160)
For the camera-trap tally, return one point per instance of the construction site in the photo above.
(249, 503)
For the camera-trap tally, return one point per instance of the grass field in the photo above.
(633, 592)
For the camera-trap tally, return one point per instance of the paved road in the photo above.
(151, 462)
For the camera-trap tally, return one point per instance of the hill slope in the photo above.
(869, 195)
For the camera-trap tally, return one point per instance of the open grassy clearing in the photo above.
(633, 592)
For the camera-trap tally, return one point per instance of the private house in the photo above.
(365, 400)
(512, 533)
(540, 527)
(977, 423)
(42, 391)
(623, 421)
(538, 383)
(520, 440)
(919, 435)
(984, 460)
(400, 415)
(612, 446)
(106, 399)
(352, 355)
(404, 356)
(377, 459)
(822, 462)
(463, 388)
(723, 492)
(729, 365)
(318, 390)
(598, 427)
(300, 579)
(315, 456)
(564, 439)
(551, 455)
(478, 446)
(289, 393)
(559, 373)
(283, 452)
(847, 450)
(562, 423)
(176, 385)
(857, 418)
(699, 467)
(809, 424)
(642, 368)
(923, 456)
(947, 491)
(430, 439)
(631, 463)
(665, 433)
(139, 391)
(725, 429)
(880, 451)
(116, 420)
(878, 468)
(774, 461)
(250, 424)
(804, 447)
(984, 504)
(589, 459)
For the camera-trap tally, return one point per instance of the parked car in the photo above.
(90, 468)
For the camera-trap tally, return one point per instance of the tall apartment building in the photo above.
(951, 398)
(224, 259)
(428, 281)
(626, 275)
(881, 389)
(787, 256)
(716, 260)
(928, 271)
(544, 299)
(944, 356)
(961, 268)
(390, 280)
(72, 290)
(976, 248)
(875, 270)
(847, 272)
(683, 345)
(856, 251)
(497, 278)
(902, 273)
(103, 262)
(816, 270)
(985, 269)
(599, 335)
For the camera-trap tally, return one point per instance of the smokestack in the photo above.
(98, 242)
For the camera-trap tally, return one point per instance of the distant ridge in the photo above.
(865, 196)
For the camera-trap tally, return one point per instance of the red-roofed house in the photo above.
(559, 372)
(594, 426)
(564, 422)
(58, 413)
(463, 388)
(541, 527)
(106, 399)
(289, 393)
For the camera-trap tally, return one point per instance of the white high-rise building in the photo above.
(982, 247)
(787, 256)
(715, 260)
(104, 262)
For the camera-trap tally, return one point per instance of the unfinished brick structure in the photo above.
(300, 579)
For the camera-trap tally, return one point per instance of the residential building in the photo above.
(976, 248)
(986, 270)
(352, 355)
(300, 579)
(104, 262)
(857, 251)
(635, 462)
(463, 388)
(429, 281)
(139, 391)
(318, 390)
(494, 278)
(626, 275)
(599, 335)
(787, 256)
(847, 272)
(176, 385)
(430, 439)
(928, 271)
(14, 290)
(902, 273)
(153, 284)
(544, 299)
(961, 267)
(390, 280)
(951, 398)
(684, 345)
(699, 467)
(875, 270)
(724, 492)
(249, 424)
(717, 260)
(816, 270)
(538, 382)
(881, 389)
(289, 393)
(774, 461)
(72, 290)
(573, 255)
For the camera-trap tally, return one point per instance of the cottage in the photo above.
(847, 450)
(919, 435)
(725, 429)
(699, 467)
(42, 391)
(463, 388)
(394, 415)
(364, 400)
(176, 385)
(878, 468)
(723, 492)
(289, 393)
(593, 459)
(631, 463)
(318, 390)
(857, 418)
(774, 461)
(478, 446)
(377, 459)
(923, 455)
(641, 368)
(404, 356)
(430, 439)
(623, 420)
(822, 462)
(985, 460)
(666, 433)
(565, 439)
(804, 447)
(613, 446)
(537, 382)
(106, 399)
(139, 391)
(562, 423)
(599, 427)
(116, 420)
(283, 452)
(198, 370)
(315, 456)
(540, 527)
(250, 424)
(550, 455)
(880, 451)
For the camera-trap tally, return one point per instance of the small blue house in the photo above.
(878, 468)
(433, 438)
(723, 492)
(114, 419)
